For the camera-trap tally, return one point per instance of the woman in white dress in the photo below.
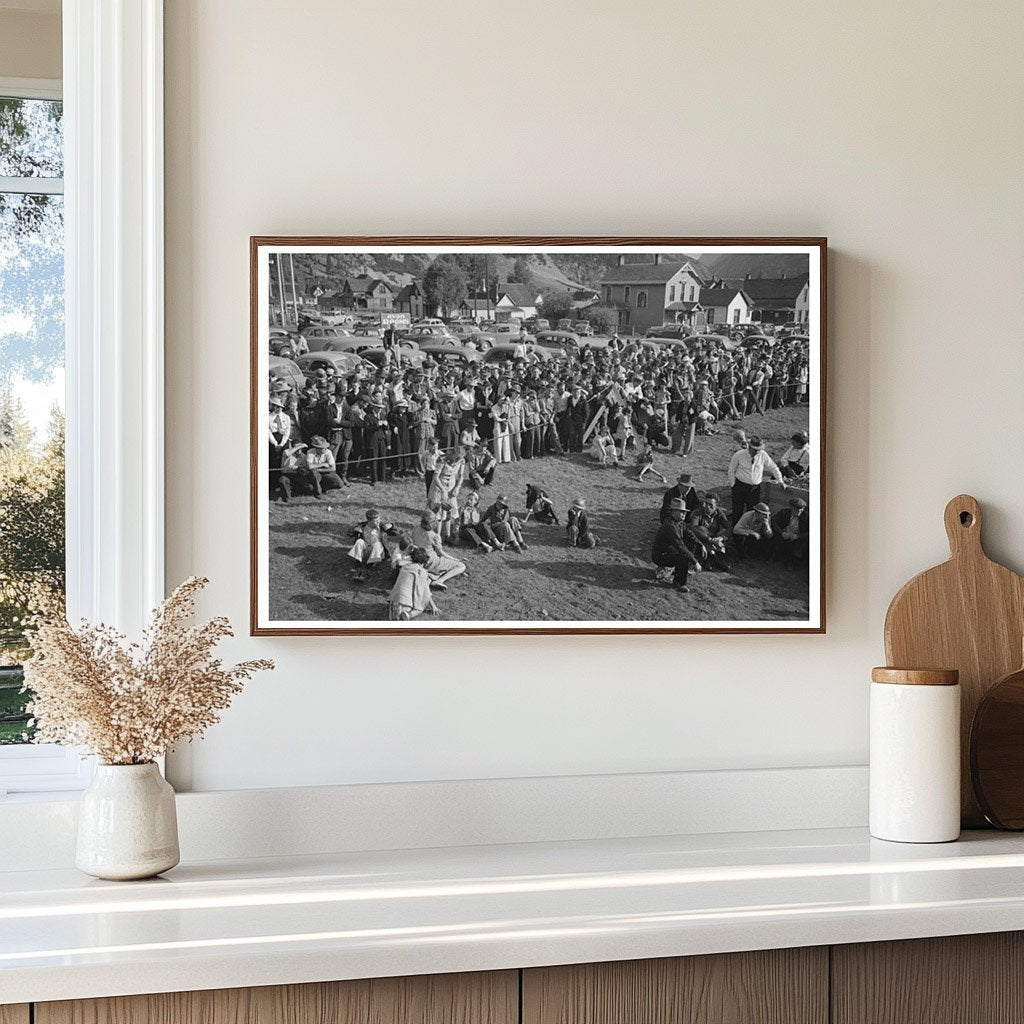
(502, 445)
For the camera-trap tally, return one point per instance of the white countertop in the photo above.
(226, 924)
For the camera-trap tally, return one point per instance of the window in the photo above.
(641, 300)
(689, 293)
(32, 554)
(736, 315)
(608, 293)
(671, 293)
(625, 294)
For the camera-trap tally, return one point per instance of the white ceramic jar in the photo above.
(127, 823)
(915, 755)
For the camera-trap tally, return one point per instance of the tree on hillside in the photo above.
(603, 319)
(445, 284)
(555, 305)
(522, 272)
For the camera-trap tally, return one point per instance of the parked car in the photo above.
(583, 328)
(670, 331)
(462, 355)
(288, 371)
(462, 330)
(343, 362)
(505, 353)
(429, 321)
(559, 341)
(481, 340)
(509, 332)
(565, 324)
(324, 339)
(282, 344)
(639, 344)
(536, 324)
(378, 356)
(428, 332)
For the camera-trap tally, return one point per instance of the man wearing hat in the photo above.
(575, 419)
(683, 489)
(792, 531)
(711, 527)
(577, 526)
(673, 546)
(514, 398)
(293, 472)
(375, 434)
(321, 466)
(400, 423)
(797, 459)
(753, 531)
(746, 474)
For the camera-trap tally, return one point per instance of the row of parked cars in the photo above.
(344, 348)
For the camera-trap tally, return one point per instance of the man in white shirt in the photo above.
(746, 473)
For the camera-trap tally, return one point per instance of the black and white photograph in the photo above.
(537, 435)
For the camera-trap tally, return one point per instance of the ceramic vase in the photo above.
(127, 825)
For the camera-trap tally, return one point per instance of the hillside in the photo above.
(774, 264)
(548, 270)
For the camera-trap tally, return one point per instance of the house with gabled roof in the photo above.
(412, 300)
(725, 304)
(515, 302)
(650, 294)
(778, 300)
(365, 292)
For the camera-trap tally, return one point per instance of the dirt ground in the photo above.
(311, 575)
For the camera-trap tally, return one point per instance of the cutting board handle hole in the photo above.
(966, 519)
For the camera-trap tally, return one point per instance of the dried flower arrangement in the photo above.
(130, 703)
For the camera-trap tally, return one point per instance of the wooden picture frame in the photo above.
(689, 249)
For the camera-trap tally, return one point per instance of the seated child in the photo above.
(501, 528)
(469, 524)
(369, 546)
(440, 566)
(577, 526)
(410, 597)
(603, 448)
(645, 462)
(539, 505)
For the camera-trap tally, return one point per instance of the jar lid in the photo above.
(916, 676)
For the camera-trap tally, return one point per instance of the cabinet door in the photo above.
(962, 979)
(490, 998)
(14, 1014)
(779, 986)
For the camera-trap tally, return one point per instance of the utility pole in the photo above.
(280, 288)
(487, 283)
(295, 295)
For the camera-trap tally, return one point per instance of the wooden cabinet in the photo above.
(969, 979)
(491, 998)
(779, 986)
(962, 979)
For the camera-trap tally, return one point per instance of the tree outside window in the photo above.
(31, 385)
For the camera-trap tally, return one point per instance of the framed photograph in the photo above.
(537, 435)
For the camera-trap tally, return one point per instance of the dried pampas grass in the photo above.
(128, 704)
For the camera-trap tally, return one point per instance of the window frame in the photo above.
(112, 90)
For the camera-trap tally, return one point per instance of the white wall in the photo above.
(895, 129)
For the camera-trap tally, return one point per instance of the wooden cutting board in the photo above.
(967, 614)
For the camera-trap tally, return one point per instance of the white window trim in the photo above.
(114, 321)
